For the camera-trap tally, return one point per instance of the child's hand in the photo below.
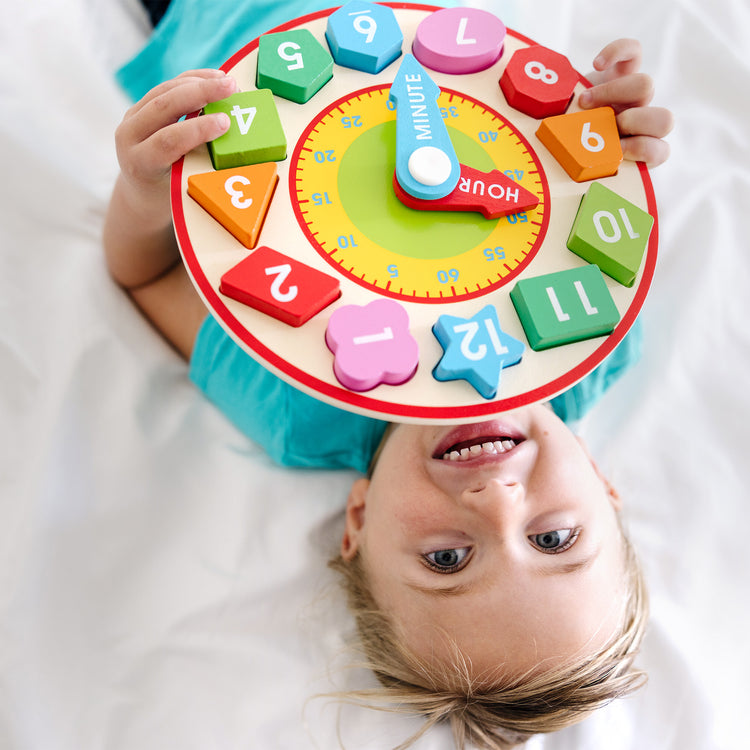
(139, 242)
(152, 136)
(618, 84)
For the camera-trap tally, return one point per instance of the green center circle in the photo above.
(365, 187)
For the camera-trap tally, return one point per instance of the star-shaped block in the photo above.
(475, 349)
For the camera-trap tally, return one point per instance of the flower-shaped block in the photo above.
(372, 345)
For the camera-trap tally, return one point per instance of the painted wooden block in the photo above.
(372, 345)
(475, 349)
(612, 232)
(255, 134)
(237, 198)
(280, 286)
(493, 194)
(426, 163)
(539, 81)
(293, 64)
(459, 40)
(565, 306)
(364, 36)
(586, 144)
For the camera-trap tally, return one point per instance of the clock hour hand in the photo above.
(426, 163)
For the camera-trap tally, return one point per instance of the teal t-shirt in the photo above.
(299, 430)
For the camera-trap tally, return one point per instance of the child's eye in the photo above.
(447, 560)
(555, 541)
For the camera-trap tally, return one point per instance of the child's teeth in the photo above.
(489, 448)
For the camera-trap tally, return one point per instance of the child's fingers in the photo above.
(643, 129)
(153, 158)
(182, 97)
(163, 88)
(652, 151)
(619, 58)
(635, 90)
(656, 122)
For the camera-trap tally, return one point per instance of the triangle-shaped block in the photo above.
(237, 198)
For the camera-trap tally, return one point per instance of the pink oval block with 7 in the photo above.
(459, 40)
(371, 345)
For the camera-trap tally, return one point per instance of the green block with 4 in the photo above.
(255, 133)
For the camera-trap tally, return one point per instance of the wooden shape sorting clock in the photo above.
(421, 188)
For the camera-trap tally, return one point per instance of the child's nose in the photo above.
(496, 499)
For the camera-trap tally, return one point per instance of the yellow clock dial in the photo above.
(341, 180)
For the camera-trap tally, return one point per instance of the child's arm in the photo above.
(618, 83)
(139, 243)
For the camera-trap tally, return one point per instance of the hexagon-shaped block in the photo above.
(364, 36)
(293, 64)
(539, 81)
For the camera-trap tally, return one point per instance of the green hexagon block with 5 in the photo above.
(293, 64)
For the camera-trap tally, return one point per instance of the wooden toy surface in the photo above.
(450, 269)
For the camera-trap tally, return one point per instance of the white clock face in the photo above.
(336, 211)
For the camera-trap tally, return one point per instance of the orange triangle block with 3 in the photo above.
(238, 198)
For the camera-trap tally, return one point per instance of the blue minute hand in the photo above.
(426, 164)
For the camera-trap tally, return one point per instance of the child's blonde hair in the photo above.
(512, 709)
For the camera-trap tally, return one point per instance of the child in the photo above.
(485, 564)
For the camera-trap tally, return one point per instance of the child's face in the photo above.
(515, 556)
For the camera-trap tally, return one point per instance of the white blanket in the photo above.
(163, 586)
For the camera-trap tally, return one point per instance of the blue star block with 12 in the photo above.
(475, 349)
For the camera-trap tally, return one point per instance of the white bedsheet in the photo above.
(162, 586)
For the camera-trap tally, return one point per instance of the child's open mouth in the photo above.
(478, 441)
(470, 449)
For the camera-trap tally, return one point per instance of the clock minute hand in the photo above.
(426, 163)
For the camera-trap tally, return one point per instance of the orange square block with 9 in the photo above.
(238, 198)
(586, 144)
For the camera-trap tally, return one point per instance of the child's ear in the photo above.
(612, 493)
(355, 518)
